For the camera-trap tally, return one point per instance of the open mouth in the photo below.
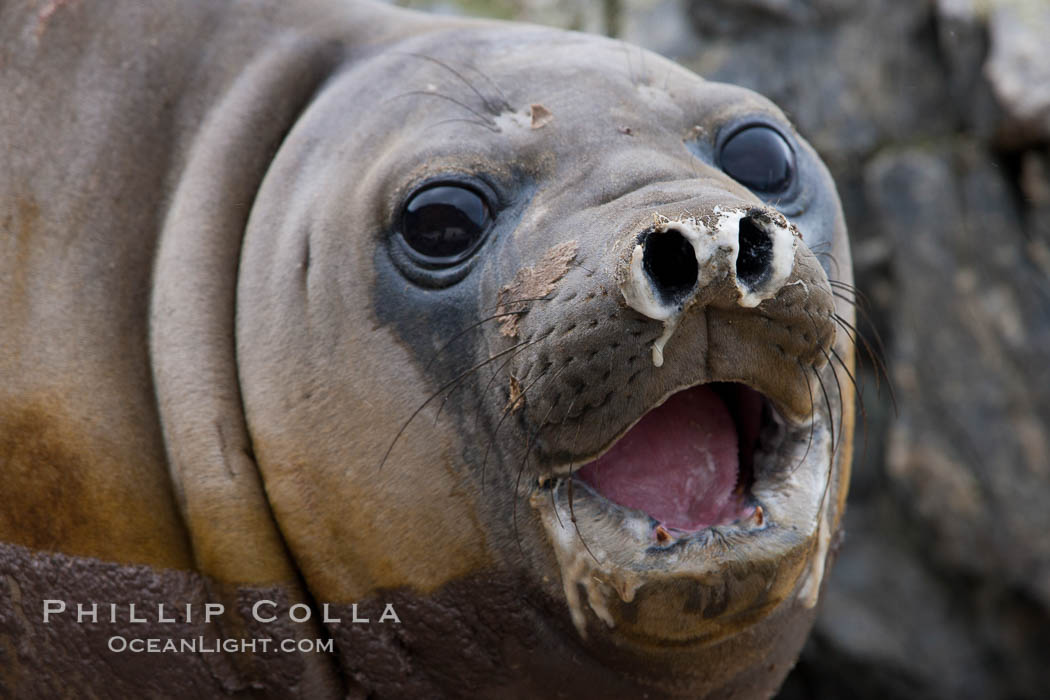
(689, 463)
(711, 480)
(713, 458)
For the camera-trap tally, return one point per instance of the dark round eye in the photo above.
(444, 223)
(759, 158)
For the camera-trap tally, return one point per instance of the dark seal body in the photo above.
(225, 379)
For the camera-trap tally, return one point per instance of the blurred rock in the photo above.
(579, 15)
(969, 451)
(886, 629)
(1019, 70)
(962, 36)
(658, 26)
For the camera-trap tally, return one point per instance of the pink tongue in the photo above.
(679, 464)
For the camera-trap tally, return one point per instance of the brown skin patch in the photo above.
(349, 547)
(541, 116)
(515, 400)
(534, 282)
(64, 489)
(46, 472)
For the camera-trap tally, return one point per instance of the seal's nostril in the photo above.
(754, 261)
(670, 262)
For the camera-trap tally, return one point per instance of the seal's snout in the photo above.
(726, 257)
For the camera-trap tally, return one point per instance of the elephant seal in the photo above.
(522, 345)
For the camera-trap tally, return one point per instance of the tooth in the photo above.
(662, 535)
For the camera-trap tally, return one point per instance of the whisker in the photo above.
(812, 409)
(522, 300)
(453, 100)
(477, 324)
(485, 100)
(529, 445)
(514, 508)
(824, 494)
(506, 413)
(572, 512)
(576, 525)
(834, 261)
(866, 317)
(441, 406)
(849, 300)
(582, 267)
(550, 472)
(854, 338)
(827, 403)
(477, 414)
(860, 404)
(853, 380)
(862, 309)
(485, 125)
(469, 328)
(543, 421)
(875, 359)
(852, 289)
(451, 382)
(838, 386)
(506, 106)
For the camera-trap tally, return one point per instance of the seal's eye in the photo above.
(443, 224)
(759, 158)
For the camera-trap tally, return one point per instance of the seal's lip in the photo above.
(776, 406)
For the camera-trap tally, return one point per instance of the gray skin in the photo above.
(222, 379)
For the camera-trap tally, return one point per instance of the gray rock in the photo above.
(962, 36)
(969, 451)
(885, 608)
(1018, 68)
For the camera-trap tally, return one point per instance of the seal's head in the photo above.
(537, 323)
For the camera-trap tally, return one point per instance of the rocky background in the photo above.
(934, 117)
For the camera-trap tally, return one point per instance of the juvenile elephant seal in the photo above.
(520, 344)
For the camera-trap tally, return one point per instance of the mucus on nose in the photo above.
(674, 260)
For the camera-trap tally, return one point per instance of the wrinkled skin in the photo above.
(213, 350)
